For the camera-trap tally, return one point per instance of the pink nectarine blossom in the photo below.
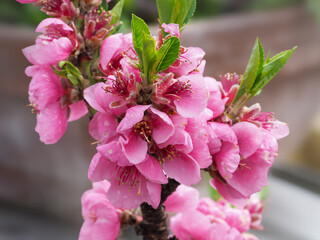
(101, 218)
(130, 185)
(257, 151)
(54, 104)
(204, 218)
(187, 94)
(56, 43)
(264, 120)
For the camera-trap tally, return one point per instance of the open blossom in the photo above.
(56, 43)
(204, 218)
(242, 149)
(113, 50)
(101, 218)
(264, 120)
(54, 104)
(187, 94)
(244, 172)
(130, 185)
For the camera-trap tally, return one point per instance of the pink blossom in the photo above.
(196, 128)
(216, 102)
(254, 206)
(51, 101)
(147, 130)
(229, 85)
(130, 185)
(139, 129)
(101, 220)
(204, 218)
(257, 151)
(172, 28)
(104, 101)
(183, 199)
(188, 62)
(223, 146)
(97, 24)
(264, 120)
(188, 94)
(112, 51)
(104, 123)
(55, 45)
(55, 8)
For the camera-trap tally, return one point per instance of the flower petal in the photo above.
(52, 123)
(77, 110)
(183, 199)
(103, 127)
(183, 169)
(101, 168)
(191, 104)
(132, 117)
(134, 148)
(151, 169)
(163, 127)
(50, 53)
(249, 137)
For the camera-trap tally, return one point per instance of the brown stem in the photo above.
(154, 224)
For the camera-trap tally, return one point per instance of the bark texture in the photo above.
(154, 225)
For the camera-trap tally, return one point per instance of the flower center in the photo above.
(164, 154)
(129, 176)
(143, 129)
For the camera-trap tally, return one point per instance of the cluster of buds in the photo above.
(157, 121)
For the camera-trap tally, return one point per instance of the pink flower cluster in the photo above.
(205, 219)
(173, 127)
(242, 149)
(54, 100)
(146, 133)
(149, 131)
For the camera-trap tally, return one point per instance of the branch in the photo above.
(154, 225)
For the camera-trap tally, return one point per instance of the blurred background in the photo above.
(41, 185)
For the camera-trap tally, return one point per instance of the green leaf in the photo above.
(60, 73)
(70, 71)
(149, 55)
(116, 12)
(270, 69)
(176, 11)
(138, 28)
(73, 80)
(165, 10)
(168, 53)
(252, 70)
(268, 58)
(184, 9)
(191, 12)
(261, 60)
